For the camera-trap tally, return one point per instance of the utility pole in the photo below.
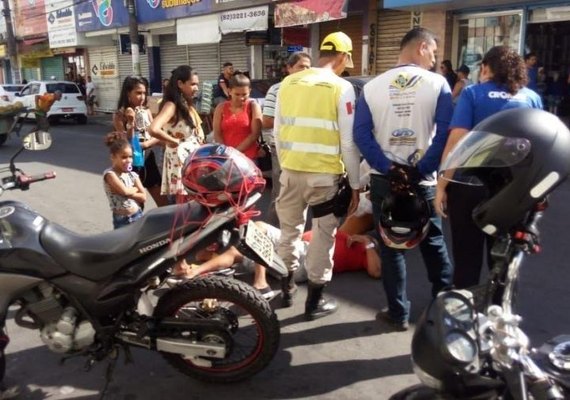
(134, 37)
(11, 41)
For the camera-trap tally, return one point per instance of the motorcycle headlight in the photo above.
(458, 311)
(460, 346)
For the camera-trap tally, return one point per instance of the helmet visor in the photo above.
(480, 149)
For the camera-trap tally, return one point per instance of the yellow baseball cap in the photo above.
(340, 42)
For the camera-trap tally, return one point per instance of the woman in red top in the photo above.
(237, 122)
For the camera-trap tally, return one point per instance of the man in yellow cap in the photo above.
(314, 114)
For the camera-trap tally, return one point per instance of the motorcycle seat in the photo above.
(96, 257)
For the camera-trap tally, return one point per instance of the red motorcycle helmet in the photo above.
(215, 174)
(404, 220)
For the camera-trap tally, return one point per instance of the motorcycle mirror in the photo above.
(38, 140)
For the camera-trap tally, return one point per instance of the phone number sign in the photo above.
(248, 19)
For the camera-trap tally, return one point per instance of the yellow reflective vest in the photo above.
(309, 137)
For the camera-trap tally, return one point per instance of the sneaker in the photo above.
(384, 316)
(266, 292)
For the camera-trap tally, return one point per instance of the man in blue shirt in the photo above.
(402, 119)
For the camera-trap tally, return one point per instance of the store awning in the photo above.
(198, 30)
(29, 42)
(309, 12)
(444, 4)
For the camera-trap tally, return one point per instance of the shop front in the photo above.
(32, 35)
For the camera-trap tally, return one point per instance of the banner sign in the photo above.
(302, 12)
(223, 5)
(248, 19)
(160, 10)
(60, 17)
(30, 18)
(94, 15)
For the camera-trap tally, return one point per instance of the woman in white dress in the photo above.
(179, 127)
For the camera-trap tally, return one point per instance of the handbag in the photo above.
(138, 154)
(264, 161)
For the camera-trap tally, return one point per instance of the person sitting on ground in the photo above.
(353, 252)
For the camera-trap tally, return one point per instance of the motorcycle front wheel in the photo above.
(253, 333)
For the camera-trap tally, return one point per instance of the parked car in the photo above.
(8, 91)
(71, 106)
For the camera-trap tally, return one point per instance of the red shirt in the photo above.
(345, 258)
(237, 127)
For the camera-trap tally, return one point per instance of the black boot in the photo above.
(288, 290)
(316, 305)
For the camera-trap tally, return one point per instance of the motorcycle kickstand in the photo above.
(113, 357)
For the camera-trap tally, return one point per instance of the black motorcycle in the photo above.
(468, 343)
(95, 295)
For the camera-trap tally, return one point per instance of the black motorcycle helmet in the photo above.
(404, 220)
(519, 155)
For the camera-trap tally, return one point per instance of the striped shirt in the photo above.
(269, 111)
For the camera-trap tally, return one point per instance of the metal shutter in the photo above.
(205, 59)
(234, 50)
(392, 26)
(108, 88)
(52, 66)
(126, 66)
(352, 26)
(171, 55)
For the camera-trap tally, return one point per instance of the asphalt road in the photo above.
(348, 355)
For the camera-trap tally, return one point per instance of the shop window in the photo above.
(478, 33)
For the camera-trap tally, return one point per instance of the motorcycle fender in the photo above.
(12, 285)
(277, 267)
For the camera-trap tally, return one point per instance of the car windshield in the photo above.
(62, 87)
(12, 88)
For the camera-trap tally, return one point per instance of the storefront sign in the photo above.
(223, 5)
(247, 19)
(303, 12)
(64, 50)
(94, 15)
(104, 69)
(160, 10)
(30, 18)
(60, 17)
(2, 50)
(27, 62)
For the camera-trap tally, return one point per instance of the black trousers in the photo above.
(469, 242)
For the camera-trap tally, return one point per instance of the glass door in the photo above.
(477, 33)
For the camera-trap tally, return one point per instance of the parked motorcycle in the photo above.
(468, 344)
(95, 295)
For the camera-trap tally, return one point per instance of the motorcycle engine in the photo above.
(60, 324)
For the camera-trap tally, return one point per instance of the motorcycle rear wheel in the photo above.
(251, 343)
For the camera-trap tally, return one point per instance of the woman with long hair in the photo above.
(237, 121)
(178, 126)
(502, 86)
(134, 118)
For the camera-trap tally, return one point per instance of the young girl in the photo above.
(122, 186)
(178, 123)
(134, 118)
(237, 122)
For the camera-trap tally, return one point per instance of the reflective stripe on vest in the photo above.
(309, 137)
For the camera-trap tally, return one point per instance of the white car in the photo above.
(8, 91)
(71, 106)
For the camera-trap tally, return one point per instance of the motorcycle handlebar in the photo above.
(26, 180)
(23, 181)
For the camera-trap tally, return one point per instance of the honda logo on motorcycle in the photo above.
(153, 246)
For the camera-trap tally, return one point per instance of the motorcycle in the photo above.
(468, 344)
(95, 295)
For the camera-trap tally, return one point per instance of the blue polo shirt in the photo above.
(477, 102)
